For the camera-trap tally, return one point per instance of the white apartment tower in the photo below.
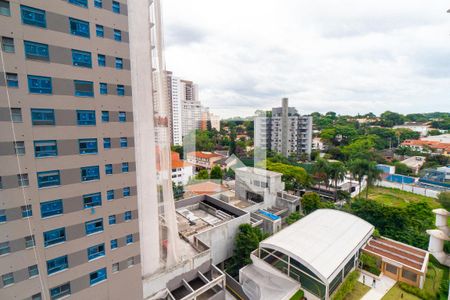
(285, 131)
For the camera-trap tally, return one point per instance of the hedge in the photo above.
(416, 291)
(298, 295)
(347, 286)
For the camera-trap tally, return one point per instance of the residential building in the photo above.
(182, 171)
(203, 159)
(69, 225)
(185, 108)
(428, 146)
(421, 128)
(284, 131)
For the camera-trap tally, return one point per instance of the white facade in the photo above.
(285, 132)
(185, 108)
(182, 175)
(417, 127)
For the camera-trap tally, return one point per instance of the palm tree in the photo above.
(321, 171)
(357, 168)
(337, 171)
(373, 175)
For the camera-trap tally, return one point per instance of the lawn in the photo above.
(433, 279)
(395, 293)
(396, 197)
(358, 291)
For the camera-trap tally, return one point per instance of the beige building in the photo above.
(68, 209)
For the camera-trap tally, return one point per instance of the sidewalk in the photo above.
(382, 286)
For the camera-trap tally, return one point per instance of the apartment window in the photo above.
(125, 167)
(84, 88)
(42, 116)
(114, 244)
(60, 291)
(33, 16)
(122, 116)
(127, 216)
(16, 115)
(123, 142)
(119, 63)
(96, 251)
(51, 208)
(105, 116)
(112, 219)
(12, 80)
(39, 84)
(57, 264)
(126, 191)
(107, 143)
(81, 58)
(37, 51)
(130, 262)
(45, 148)
(116, 7)
(8, 279)
(97, 276)
(48, 178)
(108, 169)
(4, 248)
(120, 90)
(98, 3)
(8, 44)
(23, 180)
(129, 239)
(30, 242)
(99, 31)
(82, 3)
(90, 173)
(88, 146)
(5, 10)
(37, 296)
(27, 211)
(3, 217)
(92, 200)
(79, 27)
(54, 236)
(19, 148)
(94, 226)
(86, 117)
(33, 271)
(103, 88)
(117, 35)
(115, 267)
(101, 60)
(110, 195)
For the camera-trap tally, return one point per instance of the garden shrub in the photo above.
(347, 286)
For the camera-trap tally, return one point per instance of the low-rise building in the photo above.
(421, 128)
(315, 253)
(203, 159)
(182, 171)
(428, 146)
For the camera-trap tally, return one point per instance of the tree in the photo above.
(310, 202)
(444, 199)
(294, 177)
(246, 241)
(389, 119)
(216, 173)
(373, 174)
(178, 190)
(229, 173)
(337, 171)
(293, 217)
(356, 168)
(401, 168)
(320, 169)
(202, 174)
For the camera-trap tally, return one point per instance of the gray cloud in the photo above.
(358, 56)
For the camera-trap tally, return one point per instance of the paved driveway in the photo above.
(382, 286)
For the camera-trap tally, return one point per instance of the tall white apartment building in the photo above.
(285, 131)
(186, 110)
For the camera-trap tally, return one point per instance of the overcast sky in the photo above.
(346, 56)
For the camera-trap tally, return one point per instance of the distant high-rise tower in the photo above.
(68, 209)
(284, 131)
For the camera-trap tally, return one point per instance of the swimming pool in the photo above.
(268, 214)
(400, 178)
